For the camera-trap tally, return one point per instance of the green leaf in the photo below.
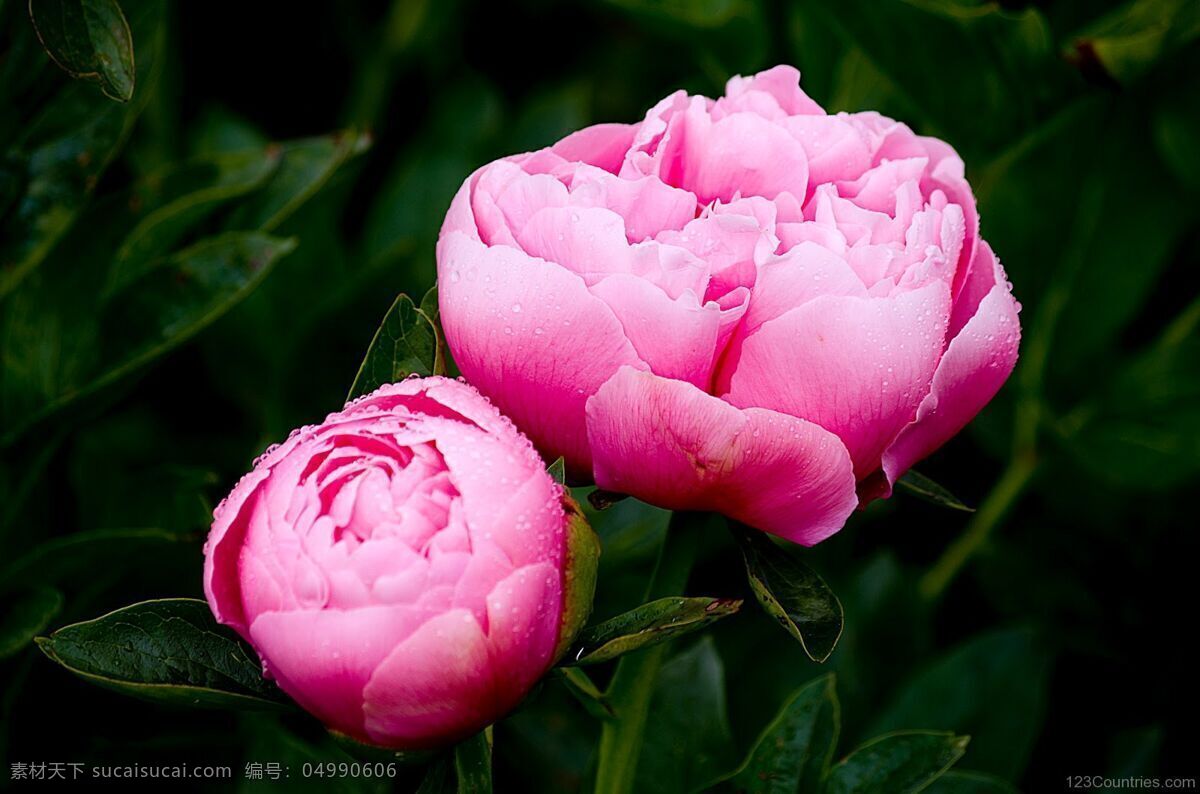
(90, 40)
(986, 73)
(792, 593)
(473, 764)
(1142, 432)
(171, 302)
(187, 195)
(601, 499)
(906, 761)
(927, 490)
(60, 153)
(304, 168)
(431, 309)
(558, 470)
(65, 561)
(582, 563)
(794, 751)
(1126, 43)
(26, 614)
(645, 626)
(583, 689)
(405, 344)
(993, 688)
(955, 782)
(171, 651)
(687, 742)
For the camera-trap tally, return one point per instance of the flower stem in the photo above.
(1007, 490)
(632, 684)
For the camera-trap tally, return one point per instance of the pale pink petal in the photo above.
(601, 145)
(647, 205)
(742, 154)
(781, 83)
(670, 444)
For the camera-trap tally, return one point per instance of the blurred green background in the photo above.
(187, 276)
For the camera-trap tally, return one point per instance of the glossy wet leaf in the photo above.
(906, 761)
(791, 592)
(405, 344)
(794, 751)
(170, 650)
(90, 40)
(924, 488)
(645, 626)
(26, 614)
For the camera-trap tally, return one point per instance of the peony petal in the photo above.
(675, 338)
(523, 621)
(781, 83)
(601, 145)
(585, 240)
(647, 205)
(325, 658)
(976, 364)
(670, 444)
(855, 366)
(435, 687)
(561, 342)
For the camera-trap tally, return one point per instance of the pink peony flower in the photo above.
(741, 304)
(401, 567)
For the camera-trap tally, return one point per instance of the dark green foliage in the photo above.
(201, 230)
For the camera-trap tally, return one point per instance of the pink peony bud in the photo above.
(741, 304)
(402, 569)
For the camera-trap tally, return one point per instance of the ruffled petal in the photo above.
(670, 444)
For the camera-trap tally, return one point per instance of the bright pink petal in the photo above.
(670, 444)
(975, 366)
(523, 622)
(435, 687)
(675, 338)
(855, 366)
(325, 658)
(530, 336)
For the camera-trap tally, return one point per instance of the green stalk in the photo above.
(632, 684)
(1003, 496)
